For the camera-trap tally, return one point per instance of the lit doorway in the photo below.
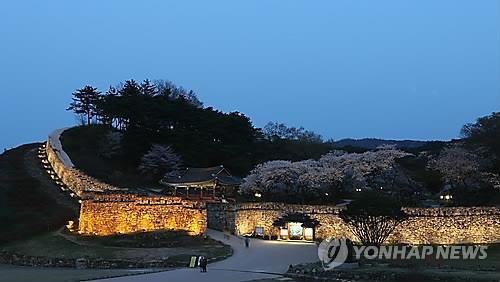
(295, 231)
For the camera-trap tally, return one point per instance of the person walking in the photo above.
(203, 264)
(247, 242)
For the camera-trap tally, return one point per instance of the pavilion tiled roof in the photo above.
(192, 175)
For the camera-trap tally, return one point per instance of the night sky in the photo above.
(415, 69)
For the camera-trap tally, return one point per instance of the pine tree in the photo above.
(148, 89)
(132, 104)
(130, 89)
(85, 102)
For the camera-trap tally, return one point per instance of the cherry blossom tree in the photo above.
(158, 161)
(311, 178)
(277, 177)
(356, 167)
(456, 164)
(461, 168)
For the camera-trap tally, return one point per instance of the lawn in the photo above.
(61, 245)
(152, 239)
(42, 274)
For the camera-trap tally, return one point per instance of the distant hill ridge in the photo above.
(373, 143)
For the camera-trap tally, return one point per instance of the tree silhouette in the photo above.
(148, 88)
(373, 217)
(483, 135)
(160, 112)
(85, 102)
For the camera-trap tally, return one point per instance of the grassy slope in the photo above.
(30, 204)
(73, 246)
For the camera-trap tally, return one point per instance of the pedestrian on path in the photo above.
(203, 264)
(247, 242)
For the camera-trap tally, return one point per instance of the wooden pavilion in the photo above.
(204, 183)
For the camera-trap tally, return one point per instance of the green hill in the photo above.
(30, 203)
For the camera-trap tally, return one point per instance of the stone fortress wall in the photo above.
(424, 225)
(74, 179)
(106, 209)
(107, 214)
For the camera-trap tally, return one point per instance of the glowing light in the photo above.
(308, 233)
(446, 197)
(70, 225)
(284, 232)
(258, 195)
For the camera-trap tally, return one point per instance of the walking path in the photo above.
(264, 259)
(55, 142)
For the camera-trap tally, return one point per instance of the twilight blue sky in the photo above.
(416, 69)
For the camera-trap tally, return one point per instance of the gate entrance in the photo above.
(296, 226)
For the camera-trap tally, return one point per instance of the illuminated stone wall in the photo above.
(424, 226)
(114, 211)
(243, 218)
(106, 214)
(74, 179)
(449, 226)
